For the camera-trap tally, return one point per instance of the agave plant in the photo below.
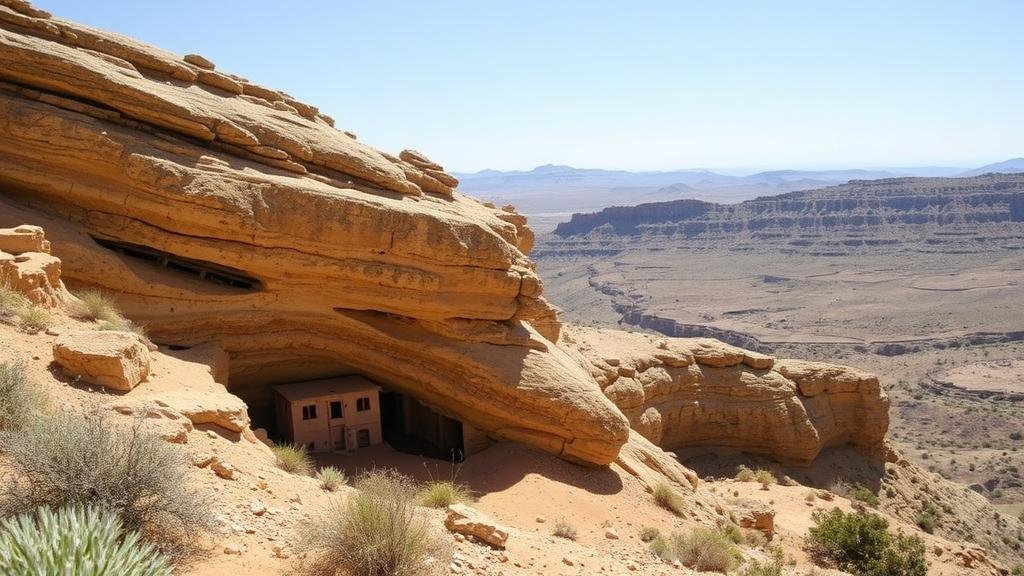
(83, 541)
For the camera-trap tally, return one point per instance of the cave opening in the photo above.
(343, 413)
(206, 271)
(412, 427)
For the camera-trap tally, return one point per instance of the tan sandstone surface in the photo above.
(260, 245)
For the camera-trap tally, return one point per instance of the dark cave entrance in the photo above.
(412, 427)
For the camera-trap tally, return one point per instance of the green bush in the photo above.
(75, 541)
(666, 497)
(94, 305)
(377, 532)
(565, 530)
(294, 459)
(862, 544)
(772, 567)
(703, 550)
(68, 459)
(441, 493)
(863, 494)
(929, 517)
(331, 478)
(19, 399)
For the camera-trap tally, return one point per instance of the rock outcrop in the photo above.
(687, 392)
(217, 210)
(27, 267)
(115, 360)
(228, 215)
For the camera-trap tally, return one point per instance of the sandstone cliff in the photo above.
(225, 214)
(221, 211)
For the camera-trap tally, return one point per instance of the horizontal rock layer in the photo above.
(687, 392)
(219, 211)
(899, 209)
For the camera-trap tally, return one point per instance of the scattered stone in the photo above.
(465, 520)
(223, 469)
(257, 508)
(610, 533)
(232, 549)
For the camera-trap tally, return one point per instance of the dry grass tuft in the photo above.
(377, 532)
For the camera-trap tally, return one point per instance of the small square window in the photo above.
(335, 409)
(362, 404)
(309, 412)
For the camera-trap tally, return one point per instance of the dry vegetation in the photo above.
(377, 532)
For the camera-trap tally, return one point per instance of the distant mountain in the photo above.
(549, 194)
(1011, 166)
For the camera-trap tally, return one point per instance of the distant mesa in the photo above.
(895, 204)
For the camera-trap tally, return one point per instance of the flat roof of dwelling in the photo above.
(325, 387)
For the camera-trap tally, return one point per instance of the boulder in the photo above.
(756, 516)
(116, 360)
(464, 520)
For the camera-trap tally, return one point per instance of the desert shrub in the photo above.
(703, 549)
(772, 567)
(649, 533)
(32, 319)
(122, 325)
(745, 474)
(441, 493)
(10, 301)
(76, 540)
(293, 458)
(929, 517)
(863, 494)
(764, 477)
(862, 544)
(666, 497)
(377, 532)
(19, 399)
(733, 532)
(331, 478)
(565, 530)
(1017, 570)
(68, 459)
(94, 305)
(659, 546)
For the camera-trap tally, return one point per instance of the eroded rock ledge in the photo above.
(222, 213)
(687, 392)
(219, 211)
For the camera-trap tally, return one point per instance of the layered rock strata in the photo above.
(219, 211)
(697, 392)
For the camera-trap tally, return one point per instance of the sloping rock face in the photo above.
(220, 211)
(686, 392)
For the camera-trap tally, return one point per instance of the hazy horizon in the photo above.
(641, 86)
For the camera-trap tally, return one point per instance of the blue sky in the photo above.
(628, 85)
